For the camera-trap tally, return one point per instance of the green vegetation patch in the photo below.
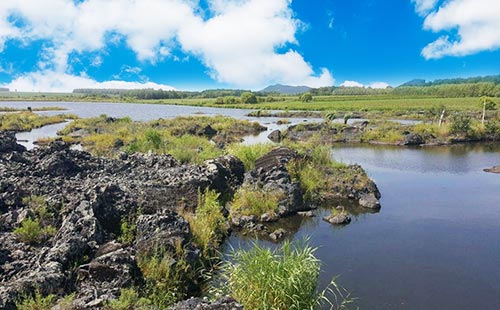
(188, 139)
(284, 278)
(250, 200)
(26, 121)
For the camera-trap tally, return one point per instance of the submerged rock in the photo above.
(495, 169)
(278, 234)
(338, 219)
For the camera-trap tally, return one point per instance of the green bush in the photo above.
(127, 230)
(37, 302)
(460, 124)
(283, 278)
(32, 232)
(248, 97)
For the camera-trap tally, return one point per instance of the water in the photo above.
(143, 112)
(28, 138)
(435, 242)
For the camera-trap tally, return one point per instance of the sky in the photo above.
(59, 45)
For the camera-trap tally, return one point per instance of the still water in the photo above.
(435, 244)
(142, 112)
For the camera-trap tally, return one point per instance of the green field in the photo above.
(389, 104)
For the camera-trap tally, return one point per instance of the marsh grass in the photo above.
(250, 200)
(284, 278)
(185, 138)
(248, 154)
(314, 170)
(208, 224)
(26, 121)
(169, 277)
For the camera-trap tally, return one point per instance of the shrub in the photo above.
(460, 124)
(129, 299)
(37, 302)
(255, 201)
(32, 232)
(283, 278)
(208, 224)
(127, 230)
(168, 276)
(306, 97)
(248, 97)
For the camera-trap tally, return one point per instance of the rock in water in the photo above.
(413, 139)
(338, 219)
(495, 169)
(275, 136)
(369, 200)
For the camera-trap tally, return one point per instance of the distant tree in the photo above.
(248, 97)
(306, 97)
(460, 124)
(219, 100)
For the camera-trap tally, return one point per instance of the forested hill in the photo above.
(495, 79)
(451, 88)
(446, 88)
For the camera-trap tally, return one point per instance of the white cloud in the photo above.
(376, 85)
(351, 84)
(475, 22)
(379, 85)
(424, 6)
(238, 43)
(52, 81)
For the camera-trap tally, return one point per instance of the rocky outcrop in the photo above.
(271, 175)
(275, 136)
(8, 143)
(413, 139)
(358, 186)
(88, 198)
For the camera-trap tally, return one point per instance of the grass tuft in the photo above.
(283, 278)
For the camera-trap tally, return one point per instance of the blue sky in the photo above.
(58, 45)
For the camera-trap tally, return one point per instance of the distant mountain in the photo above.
(286, 89)
(415, 82)
(495, 79)
(4, 89)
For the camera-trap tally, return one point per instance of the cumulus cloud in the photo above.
(471, 26)
(376, 85)
(242, 42)
(352, 84)
(424, 6)
(53, 81)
